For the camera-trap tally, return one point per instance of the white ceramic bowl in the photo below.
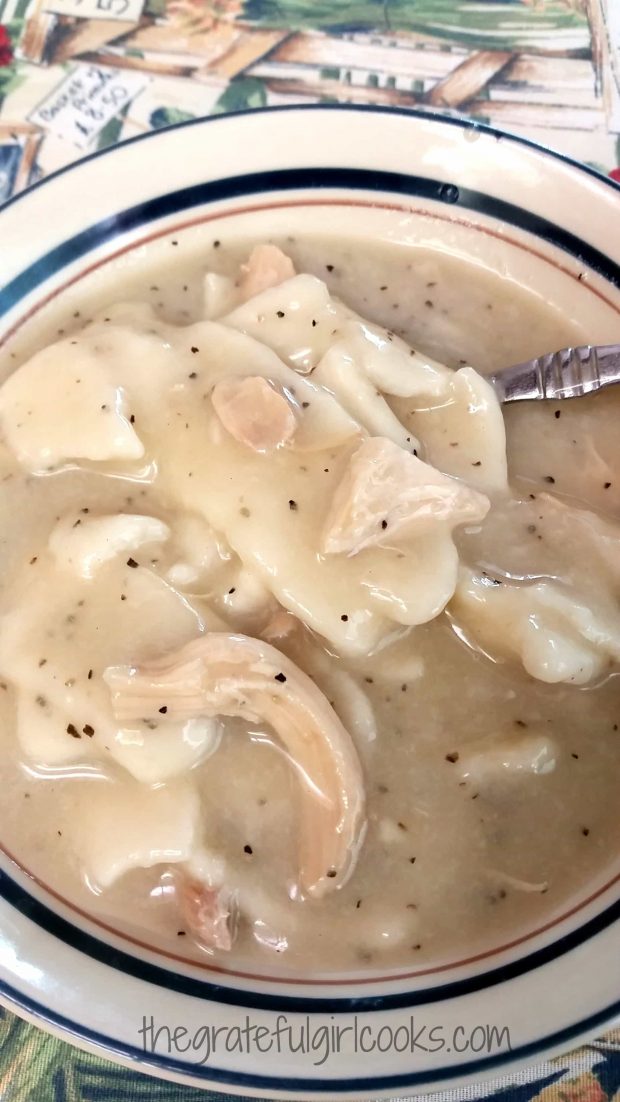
(420, 179)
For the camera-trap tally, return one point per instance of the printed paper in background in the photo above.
(545, 68)
(78, 75)
(85, 101)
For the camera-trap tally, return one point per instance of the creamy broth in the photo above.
(491, 794)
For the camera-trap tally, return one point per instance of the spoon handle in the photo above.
(568, 373)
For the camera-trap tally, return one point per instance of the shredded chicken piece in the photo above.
(266, 266)
(281, 626)
(222, 674)
(253, 412)
(387, 493)
(518, 885)
(493, 759)
(208, 913)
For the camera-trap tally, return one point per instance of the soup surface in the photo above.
(309, 654)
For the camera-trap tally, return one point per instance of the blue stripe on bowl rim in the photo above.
(29, 280)
(298, 179)
(121, 960)
(425, 115)
(157, 1062)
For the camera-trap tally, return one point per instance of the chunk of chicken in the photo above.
(208, 912)
(235, 675)
(266, 267)
(254, 412)
(388, 494)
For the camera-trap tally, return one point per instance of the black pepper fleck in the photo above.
(281, 677)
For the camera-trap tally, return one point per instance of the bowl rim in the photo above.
(462, 121)
(526, 1052)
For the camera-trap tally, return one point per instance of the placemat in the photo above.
(79, 75)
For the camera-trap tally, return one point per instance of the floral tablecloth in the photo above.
(549, 69)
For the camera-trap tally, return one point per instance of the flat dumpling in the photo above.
(61, 631)
(156, 755)
(125, 826)
(341, 374)
(272, 509)
(83, 543)
(391, 365)
(463, 433)
(552, 630)
(102, 385)
(599, 536)
(298, 319)
(364, 363)
(220, 295)
(412, 584)
(90, 413)
(221, 353)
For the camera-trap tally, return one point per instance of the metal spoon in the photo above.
(568, 373)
